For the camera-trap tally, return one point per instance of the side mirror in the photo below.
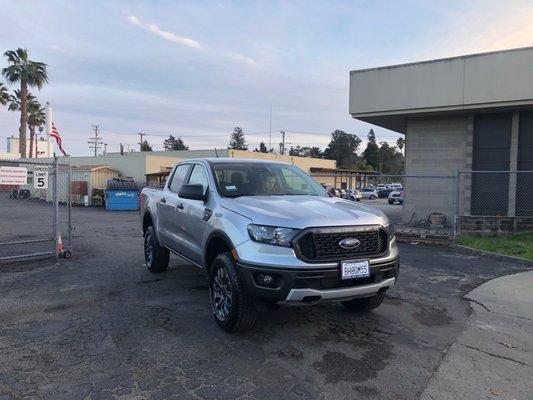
(194, 192)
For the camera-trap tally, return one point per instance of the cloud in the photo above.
(242, 59)
(167, 35)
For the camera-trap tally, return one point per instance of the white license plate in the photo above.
(355, 269)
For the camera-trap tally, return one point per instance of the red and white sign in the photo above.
(13, 176)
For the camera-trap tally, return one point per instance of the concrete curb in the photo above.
(493, 253)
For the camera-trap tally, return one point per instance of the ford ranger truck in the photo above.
(267, 234)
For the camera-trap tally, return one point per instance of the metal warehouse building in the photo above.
(469, 113)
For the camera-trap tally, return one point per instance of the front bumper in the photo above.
(311, 285)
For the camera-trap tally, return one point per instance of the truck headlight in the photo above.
(272, 234)
(390, 228)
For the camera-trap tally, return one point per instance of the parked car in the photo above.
(397, 186)
(396, 196)
(384, 193)
(379, 187)
(355, 195)
(369, 193)
(266, 232)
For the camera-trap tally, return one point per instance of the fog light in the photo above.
(267, 280)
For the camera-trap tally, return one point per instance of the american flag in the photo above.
(57, 137)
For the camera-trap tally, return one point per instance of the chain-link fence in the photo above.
(35, 209)
(463, 203)
(490, 201)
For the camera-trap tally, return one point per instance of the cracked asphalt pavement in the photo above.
(100, 326)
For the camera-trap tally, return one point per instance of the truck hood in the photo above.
(304, 211)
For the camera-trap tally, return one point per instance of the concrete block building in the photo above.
(471, 113)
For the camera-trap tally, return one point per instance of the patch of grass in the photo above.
(519, 245)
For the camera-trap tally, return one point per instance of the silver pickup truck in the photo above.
(267, 234)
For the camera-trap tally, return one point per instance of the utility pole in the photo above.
(270, 130)
(96, 141)
(282, 142)
(141, 135)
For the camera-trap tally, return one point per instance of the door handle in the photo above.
(180, 206)
(163, 200)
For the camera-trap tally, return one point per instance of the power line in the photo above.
(95, 142)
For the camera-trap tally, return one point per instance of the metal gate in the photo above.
(35, 210)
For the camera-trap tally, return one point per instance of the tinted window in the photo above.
(198, 176)
(264, 179)
(179, 177)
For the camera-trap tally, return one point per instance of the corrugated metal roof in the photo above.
(93, 168)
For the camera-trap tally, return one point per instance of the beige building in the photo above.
(41, 148)
(155, 164)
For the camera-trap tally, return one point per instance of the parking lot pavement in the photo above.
(99, 326)
(393, 211)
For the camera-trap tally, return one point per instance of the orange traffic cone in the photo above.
(59, 247)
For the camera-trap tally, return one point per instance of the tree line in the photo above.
(343, 148)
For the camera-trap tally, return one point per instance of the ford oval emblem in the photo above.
(349, 243)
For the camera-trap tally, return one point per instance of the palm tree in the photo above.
(36, 114)
(29, 74)
(4, 95)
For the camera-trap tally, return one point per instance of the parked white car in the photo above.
(396, 196)
(354, 195)
(369, 193)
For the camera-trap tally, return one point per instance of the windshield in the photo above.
(263, 179)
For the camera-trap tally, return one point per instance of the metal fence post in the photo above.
(55, 199)
(457, 190)
(69, 205)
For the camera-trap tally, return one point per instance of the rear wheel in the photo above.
(156, 257)
(372, 197)
(233, 309)
(360, 305)
(391, 201)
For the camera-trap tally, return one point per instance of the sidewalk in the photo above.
(493, 357)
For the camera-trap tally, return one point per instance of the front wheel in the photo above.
(360, 305)
(156, 256)
(233, 309)
(391, 201)
(372, 197)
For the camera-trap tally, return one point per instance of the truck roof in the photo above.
(214, 160)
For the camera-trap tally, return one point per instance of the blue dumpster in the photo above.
(121, 194)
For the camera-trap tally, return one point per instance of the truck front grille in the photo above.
(322, 244)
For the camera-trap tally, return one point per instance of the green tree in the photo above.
(237, 140)
(392, 161)
(262, 148)
(343, 148)
(173, 143)
(29, 74)
(315, 152)
(4, 95)
(145, 146)
(400, 143)
(371, 153)
(36, 114)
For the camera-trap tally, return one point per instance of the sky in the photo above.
(196, 69)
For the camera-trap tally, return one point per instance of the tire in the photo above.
(156, 257)
(372, 197)
(391, 201)
(233, 309)
(365, 304)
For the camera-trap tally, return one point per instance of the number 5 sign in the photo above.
(40, 177)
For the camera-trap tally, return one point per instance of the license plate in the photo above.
(355, 269)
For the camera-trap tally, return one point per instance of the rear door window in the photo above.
(179, 177)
